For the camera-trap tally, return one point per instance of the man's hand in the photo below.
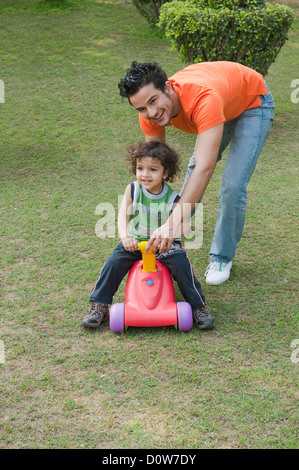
(161, 239)
(129, 243)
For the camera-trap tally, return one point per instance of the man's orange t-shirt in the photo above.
(211, 93)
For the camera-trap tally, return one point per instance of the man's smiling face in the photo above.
(154, 105)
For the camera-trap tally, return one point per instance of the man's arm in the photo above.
(156, 138)
(206, 154)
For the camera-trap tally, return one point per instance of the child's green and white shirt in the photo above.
(150, 211)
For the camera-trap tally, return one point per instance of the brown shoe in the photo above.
(95, 315)
(203, 318)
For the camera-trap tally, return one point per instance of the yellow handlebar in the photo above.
(149, 259)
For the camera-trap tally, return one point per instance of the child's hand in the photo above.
(129, 243)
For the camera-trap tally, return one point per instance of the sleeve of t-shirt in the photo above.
(148, 127)
(208, 112)
(176, 199)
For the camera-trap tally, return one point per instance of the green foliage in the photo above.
(150, 9)
(230, 4)
(57, 3)
(251, 36)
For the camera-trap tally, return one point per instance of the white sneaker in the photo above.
(218, 272)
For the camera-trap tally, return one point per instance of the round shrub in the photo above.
(251, 33)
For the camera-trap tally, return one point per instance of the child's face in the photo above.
(150, 174)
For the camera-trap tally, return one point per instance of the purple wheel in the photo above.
(117, 318)
(185, 317)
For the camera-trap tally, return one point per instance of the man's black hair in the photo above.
(139, 75)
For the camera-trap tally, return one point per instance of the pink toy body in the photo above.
(150, 298)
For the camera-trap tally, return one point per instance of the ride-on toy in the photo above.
(150, 298)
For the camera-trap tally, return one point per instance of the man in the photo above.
(222, 102)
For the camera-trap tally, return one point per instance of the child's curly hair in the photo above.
(168, 157)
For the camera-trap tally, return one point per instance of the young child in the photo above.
(146, 205)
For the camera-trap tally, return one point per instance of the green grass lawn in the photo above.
(64, 132)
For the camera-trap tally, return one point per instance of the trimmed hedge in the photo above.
(251, 34)
(150, 9)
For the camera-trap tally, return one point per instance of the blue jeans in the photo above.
(247, 135)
